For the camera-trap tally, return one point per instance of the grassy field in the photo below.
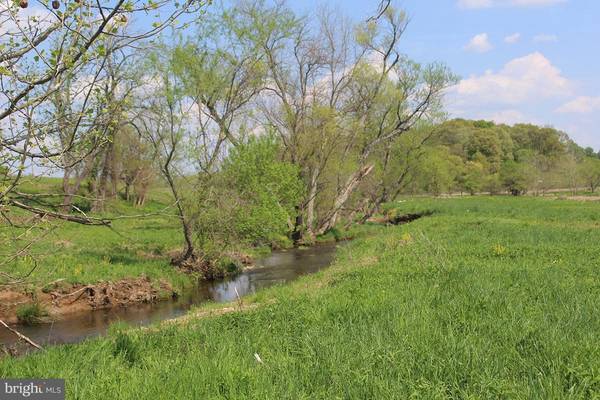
(487, 298)
(81, 254)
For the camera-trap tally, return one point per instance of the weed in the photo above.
(31, 314)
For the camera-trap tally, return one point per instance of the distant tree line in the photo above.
(483, 157)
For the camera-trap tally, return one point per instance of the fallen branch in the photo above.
(80, 291)
(85, 219)
(71, 218)
(21, 336)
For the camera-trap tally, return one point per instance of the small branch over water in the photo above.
(21, 336)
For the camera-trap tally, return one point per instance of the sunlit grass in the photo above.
(487, 298)
(131, 247)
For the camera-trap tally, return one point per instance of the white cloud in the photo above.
(509, 117)
(531, 77)
(503, 116)
(507, 3)
(479, 43)
(545, 38)
(512, 39)
(475, 3)
(581, 105)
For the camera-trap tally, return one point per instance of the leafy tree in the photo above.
(473, 177)
(438, 171)
(492, 183)
(589, 170)
(515, 177)
(589, 152)
(268, 189)
(53, 67)
(252, 199)
(136, 164)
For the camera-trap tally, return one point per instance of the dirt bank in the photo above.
(398, 219)
(62, 299)
(581, 198)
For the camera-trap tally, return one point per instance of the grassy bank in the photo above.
(486, 298)
(88, 254)
(130, 248)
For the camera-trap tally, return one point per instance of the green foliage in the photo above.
(254, 196)
(515, 177)
(437, 170)
(494, 158)
(589, 170)
(31, 314)
(227, 266)
(268, 188)
(473, 178)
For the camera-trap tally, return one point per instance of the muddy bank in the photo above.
(391, 219)
(277, 268)
(59, 300)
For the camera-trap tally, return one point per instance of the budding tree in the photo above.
(62, 96)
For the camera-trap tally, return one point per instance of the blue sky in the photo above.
(520, 60)
(532, 61)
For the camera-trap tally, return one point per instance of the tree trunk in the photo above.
(68, 195)
(71, 190)
(102, 190)
(297, 235)
(343, 196)
(189, 253)
(310, 204)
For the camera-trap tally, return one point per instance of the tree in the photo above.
(162, 121)
(515, 177)
(437, 171)
(387, 99)
(136, 164)
(197, 110)
(397, 166)
(352, 87)
(589, 170)
(473, 177)
(253, 196)
(50, 64)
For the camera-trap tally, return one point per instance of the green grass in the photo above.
(30, 314)
(83, 254)
(79, 254)
(487, 298)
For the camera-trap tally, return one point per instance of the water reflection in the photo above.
(277, 268)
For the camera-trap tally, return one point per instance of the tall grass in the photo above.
(487, 298)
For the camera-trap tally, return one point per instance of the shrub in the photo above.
(251, 200)
(31, 314)
(124, 345)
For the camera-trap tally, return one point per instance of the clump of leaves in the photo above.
(31, 314)
(253, 198)
(224, 266)
(124, 345)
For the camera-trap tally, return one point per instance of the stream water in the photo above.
(279, 267)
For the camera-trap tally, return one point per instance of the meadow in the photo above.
(489, 297)
(78, 254)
